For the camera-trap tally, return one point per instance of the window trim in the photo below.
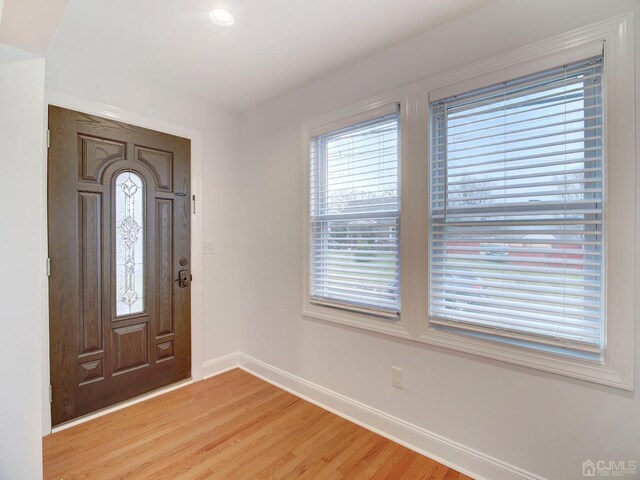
(341, 118)
(473, 325)
(616, 369)
(372, 117)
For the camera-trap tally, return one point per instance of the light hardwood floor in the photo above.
(232, 426)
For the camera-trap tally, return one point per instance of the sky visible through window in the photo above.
(494, 151)
(362, 166)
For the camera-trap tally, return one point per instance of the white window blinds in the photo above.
(355, 213)
(516, 210)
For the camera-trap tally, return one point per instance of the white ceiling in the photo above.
(30, 24)
(274, 46)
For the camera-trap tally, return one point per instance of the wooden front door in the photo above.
(119, 248)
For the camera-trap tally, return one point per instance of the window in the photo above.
(518, 233)
(354, 217)
(517, 210)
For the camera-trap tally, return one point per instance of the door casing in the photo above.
(83, 105)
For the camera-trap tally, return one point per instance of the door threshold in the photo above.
(119, 406)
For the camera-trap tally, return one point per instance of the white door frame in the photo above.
(92, 107)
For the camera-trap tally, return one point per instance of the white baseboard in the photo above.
(464, 459)
(219, 365)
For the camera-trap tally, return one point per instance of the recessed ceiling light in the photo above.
(221, 17)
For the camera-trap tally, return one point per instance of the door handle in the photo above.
(184, 278)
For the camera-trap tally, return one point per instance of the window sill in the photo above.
(396, 328)
(596, 371)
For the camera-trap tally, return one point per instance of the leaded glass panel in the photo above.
(129, 198)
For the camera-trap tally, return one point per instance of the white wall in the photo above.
(21, 293)
(89, 78)
(543, 423)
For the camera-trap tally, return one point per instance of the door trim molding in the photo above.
(84, 105)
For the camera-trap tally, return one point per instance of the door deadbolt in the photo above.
(184, 278)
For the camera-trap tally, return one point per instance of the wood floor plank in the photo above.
(232, 426)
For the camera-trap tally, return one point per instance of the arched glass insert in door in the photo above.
(129, 232)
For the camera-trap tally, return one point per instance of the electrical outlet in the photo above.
(397, 377)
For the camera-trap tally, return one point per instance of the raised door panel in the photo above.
(164, 351)
(130, 348)
(96, 154)
(164, 267)
(160, 162)
(90, 325)
(91, 371)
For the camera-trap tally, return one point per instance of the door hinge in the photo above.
(48, 267)
(193, 197)
(48, 138)
(50, 393)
